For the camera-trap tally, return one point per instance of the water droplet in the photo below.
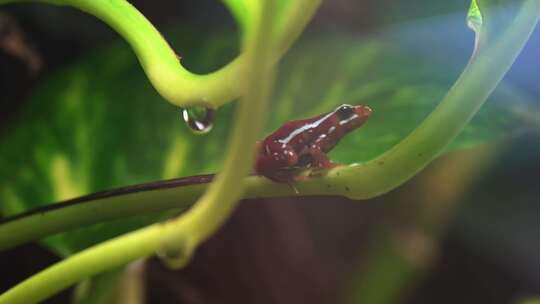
(199, 119)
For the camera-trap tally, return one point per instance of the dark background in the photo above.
(301, 250)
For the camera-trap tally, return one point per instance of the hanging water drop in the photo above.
(199, 119)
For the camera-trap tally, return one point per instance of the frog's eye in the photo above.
(345, 112)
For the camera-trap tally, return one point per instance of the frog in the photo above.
(303, 144)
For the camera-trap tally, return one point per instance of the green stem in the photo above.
(222, 196)
(177, 238)
(87, 263)
(66, 216)
(160, 63)
(464, 99)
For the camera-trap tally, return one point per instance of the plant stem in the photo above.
(222, 196)
(161, 64)
(118, 204)
(177, 238)
(100, 258)
(491, 61)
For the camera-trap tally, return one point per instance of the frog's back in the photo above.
(294, 128)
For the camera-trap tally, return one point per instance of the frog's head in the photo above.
(351, 117)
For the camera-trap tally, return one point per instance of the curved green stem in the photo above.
(179, 237)
(218, 202)
(491, 61)
(87, 263)
(161, 64)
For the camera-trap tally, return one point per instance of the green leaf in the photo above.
(99, 124)
(474, 17)
(489, 19)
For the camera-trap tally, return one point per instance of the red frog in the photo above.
(302, 144)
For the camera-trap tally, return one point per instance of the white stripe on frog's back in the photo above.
(304, 128)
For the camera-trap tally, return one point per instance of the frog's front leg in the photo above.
(319, 158)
